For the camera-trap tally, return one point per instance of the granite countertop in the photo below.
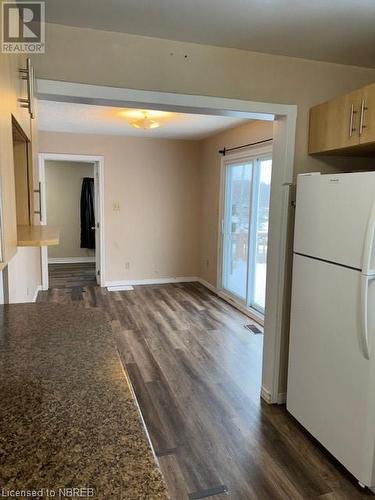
(67, 415)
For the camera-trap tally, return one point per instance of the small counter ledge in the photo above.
(37, 236)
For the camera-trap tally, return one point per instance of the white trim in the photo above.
(44, 267)
(150, 281)
(70, 260)
(70, 157)
(251, 313)
(284, 132)
(208, 285)
(37, 290)
(97, 160)
(251, 152)
(281, 398)
(266, 395)
(167, 101)
(2, 298)
(254, 151)
(282, 174)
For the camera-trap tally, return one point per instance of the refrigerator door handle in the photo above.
(364, 334)
(368, 243)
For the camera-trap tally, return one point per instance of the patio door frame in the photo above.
(250, 154)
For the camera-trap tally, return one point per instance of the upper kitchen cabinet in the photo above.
(23, 176)
(24, 111)
(344, 125)
(367, 115)
(334, 124)
(14, 95)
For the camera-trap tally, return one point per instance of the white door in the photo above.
(331, 383)
(97, 222)
(245, 229)
(334, 216)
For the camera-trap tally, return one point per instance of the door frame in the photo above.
(284, 117)
(225, 160)
(98, 162)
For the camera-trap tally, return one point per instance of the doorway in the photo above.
(72, 199)
(245, 220)
(284, 129)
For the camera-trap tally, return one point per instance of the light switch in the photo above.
(116, 206)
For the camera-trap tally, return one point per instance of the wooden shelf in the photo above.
(37, 236)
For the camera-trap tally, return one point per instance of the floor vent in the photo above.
(120, 288)
(253, 329)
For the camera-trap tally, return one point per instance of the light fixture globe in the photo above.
(145, 122)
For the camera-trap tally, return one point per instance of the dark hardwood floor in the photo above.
(196, 373)
(71, 275)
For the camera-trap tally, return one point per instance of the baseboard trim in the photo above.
(251, 314)
(37, 290)
(150, 281)
(208, 285)
(281, 398)
(267, 397)
(70, 260)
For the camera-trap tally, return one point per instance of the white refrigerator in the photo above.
(331, 375)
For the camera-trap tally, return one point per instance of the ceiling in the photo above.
(329, 30)
(90, 119)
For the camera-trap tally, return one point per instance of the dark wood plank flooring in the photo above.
(196, 373)
(71, 275)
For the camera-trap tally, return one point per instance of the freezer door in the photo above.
(331, 389)
(335, 218)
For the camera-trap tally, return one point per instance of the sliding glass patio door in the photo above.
(245, 229)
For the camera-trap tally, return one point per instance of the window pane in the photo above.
(236, 227)
(261, 218)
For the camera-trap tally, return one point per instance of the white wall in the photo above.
(24, 275)
(156, 182)
(2, 294)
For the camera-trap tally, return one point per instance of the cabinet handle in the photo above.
(39, 191)
(28, 75)
(362, 125)
(30, 83)
(351, 122)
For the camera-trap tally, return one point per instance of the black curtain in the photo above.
(87, 213)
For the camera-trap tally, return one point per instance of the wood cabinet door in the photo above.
(21, 113)
(367, 123)
(335, 124)
(8, 105)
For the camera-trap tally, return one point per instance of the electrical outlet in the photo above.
(127, 265)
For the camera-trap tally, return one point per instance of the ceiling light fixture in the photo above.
(145, 122)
